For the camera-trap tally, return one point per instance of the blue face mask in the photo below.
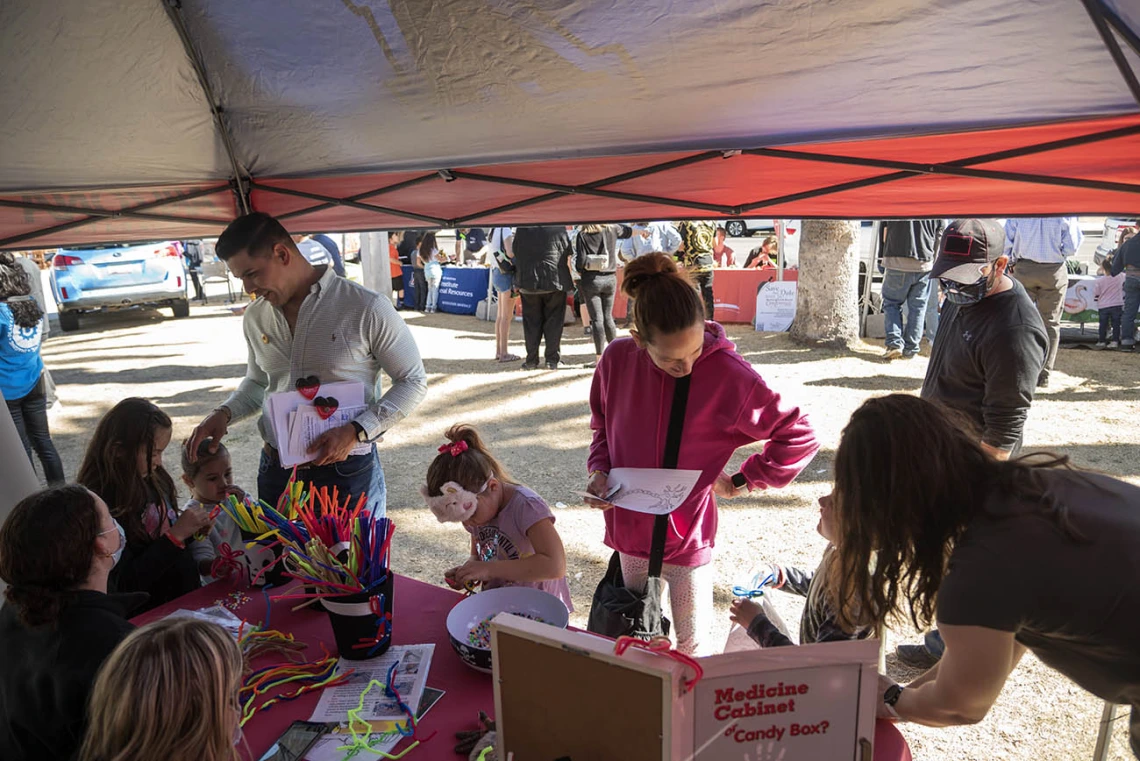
(122, 542)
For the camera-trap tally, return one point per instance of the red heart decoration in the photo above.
(326, 406)
(309, 386)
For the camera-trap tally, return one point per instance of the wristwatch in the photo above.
(891, 697)
(361, 434)
(738, 480)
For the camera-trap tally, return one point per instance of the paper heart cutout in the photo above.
(326, 406)
(309, 386)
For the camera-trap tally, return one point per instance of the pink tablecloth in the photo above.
(419, 616)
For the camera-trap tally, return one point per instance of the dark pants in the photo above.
(351, 477)
(198, 293)
(1110, 316)
(598, 290)
(29, 413)
(705, 283)
(543, 314)
(420, 285)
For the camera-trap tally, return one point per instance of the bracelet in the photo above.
(227, 410)
(599, 472)
(175, 540)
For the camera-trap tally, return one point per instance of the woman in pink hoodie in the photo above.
(729, 406)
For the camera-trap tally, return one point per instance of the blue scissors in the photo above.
(757, 588)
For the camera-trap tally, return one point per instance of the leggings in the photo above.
(598, 289)
(690, 597)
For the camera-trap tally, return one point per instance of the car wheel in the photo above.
(68, 321)
(181, 308)
(734, 228)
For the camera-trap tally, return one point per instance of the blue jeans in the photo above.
(912, 289)
(1131, 307)
(932, 314)
(354, 476)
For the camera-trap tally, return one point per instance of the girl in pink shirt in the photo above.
(513, 539)
(729, 406)
(1109, 292)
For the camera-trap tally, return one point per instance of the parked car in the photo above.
(744, 228)
(85, 280)
(1112, 228)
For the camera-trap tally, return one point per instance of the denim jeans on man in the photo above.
(912, 289)
(354, 476)
(1131, 307)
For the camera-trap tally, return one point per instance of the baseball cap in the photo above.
(967, 246)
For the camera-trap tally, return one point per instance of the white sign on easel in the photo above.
(775, 306)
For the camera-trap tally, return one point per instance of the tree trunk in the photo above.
(827, 307)
(374, 260)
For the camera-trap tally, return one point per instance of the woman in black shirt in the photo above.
(58, 623)
(1003, 553)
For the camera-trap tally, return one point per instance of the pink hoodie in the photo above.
(729, 406)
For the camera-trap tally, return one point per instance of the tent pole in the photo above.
(241, 190)
(1118, 24)
(346, 202)
(1096, 11)
(18, 476)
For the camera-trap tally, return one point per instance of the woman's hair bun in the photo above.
(647, 267)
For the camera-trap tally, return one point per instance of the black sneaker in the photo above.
(551, 365)
(529, 366)
(916, 656)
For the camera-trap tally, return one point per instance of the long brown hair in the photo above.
(426, 244)
(665, 299)
(14, 281)
(908, 481)
(469, 468)
(47, 545)
(110, 465)
(169, 691)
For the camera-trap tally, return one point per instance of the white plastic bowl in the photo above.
(471, 612)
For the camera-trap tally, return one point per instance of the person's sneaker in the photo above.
(586, 331)
(1043, 381)
(916, 656)
(1099, 345)
(551, 365)
(908, 356)
(1113, 345)
(892, 354)
(529, 366)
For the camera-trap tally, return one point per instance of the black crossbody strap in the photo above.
(672, 450)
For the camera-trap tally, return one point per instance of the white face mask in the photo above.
(122, 542)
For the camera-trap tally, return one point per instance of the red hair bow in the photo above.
(456, 449)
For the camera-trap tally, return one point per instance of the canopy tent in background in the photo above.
(143, 119)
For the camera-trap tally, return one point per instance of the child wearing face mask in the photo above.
(123, 465)
(513, 539)
(818, 622)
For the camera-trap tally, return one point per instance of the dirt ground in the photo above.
(537, 423)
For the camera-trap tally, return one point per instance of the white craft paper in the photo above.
(383, 739)
(411, 677)
(656, 491)
(349, 395)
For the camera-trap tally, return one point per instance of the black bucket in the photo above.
(276, 574)
(354, 623)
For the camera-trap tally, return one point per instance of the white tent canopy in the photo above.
(169, 110)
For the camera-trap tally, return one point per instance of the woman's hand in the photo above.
(191, 521)
(475, 571)
(723, 487)
(599, 485)
(744, 612)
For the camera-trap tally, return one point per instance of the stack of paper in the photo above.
(297, 424)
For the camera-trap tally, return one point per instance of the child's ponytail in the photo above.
(465, 460)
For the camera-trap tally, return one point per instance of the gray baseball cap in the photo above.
(967, 246)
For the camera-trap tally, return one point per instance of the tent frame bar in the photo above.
(953, 167)
(1096, 10)
(664, 166)
(362, 196)
(94, 215)
(174, 12)
(254, 185)
(1113, 18)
